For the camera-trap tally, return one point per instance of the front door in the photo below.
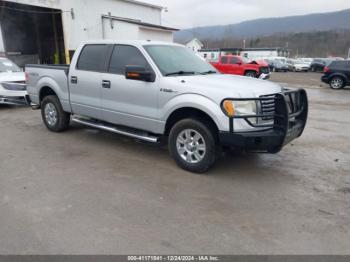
(236, 66)
(85, 81)
(128, 102)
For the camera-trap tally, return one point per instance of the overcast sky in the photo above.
(193, 13)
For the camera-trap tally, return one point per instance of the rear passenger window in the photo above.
(93, 58)
(124, 55)
(224, 60)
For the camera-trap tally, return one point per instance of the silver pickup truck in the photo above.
(153, 90)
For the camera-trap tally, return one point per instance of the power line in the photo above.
(34, 12)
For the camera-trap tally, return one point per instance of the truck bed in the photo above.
(53, 76)
(55, 67)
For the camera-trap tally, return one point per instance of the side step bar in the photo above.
(144, 136)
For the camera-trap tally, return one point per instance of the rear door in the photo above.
(224, 65)
(85, 80)
(128, 102)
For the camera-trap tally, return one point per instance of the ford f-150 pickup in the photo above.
(236, 65)
(153, 90)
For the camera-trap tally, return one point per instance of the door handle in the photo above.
(74, 80)
(106, 84)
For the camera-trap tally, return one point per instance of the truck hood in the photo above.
(222, 86)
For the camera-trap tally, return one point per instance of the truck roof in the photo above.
(130, 42)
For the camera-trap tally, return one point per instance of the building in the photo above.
(195, 45)
(250, 53)
(258, 53)
(48, 31)
(214, 54)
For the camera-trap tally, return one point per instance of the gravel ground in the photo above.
(299, 79)
(90, 192)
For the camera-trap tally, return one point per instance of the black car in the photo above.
(319, 64)
(337, 74)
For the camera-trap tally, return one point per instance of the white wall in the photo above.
(259, 54)
(154, 34)
(210, 55)
(127, 31)
(87, 23)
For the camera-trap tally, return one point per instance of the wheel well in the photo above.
(46, 91)
(188, 112)
(340, 76)
(250, 70)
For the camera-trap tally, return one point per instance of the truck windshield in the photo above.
(8, 66)
(178, 60)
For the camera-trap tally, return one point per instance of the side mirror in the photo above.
(139, 73)
(239, 63)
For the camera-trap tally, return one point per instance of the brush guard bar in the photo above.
(281, 118)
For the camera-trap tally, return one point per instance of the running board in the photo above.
(144, 136)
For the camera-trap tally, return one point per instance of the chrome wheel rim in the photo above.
(191, 146)
(337, 83)
(50, 114)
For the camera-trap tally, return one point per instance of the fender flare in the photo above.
(195, 101)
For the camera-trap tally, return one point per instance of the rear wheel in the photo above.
(54, 117)
(193, 145)
(252, 74)
(337, 82)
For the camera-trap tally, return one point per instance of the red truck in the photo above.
(236, 65)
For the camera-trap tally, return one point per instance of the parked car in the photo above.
(279, 66)
(297, 66)
(12, 83)
(337, 74)
(319, 64)
(236, 65)
(270, 64)
(307, 61)
(153, 90)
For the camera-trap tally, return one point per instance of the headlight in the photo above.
(239, 108)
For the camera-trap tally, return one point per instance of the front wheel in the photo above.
(337, 82)
(55, 119)
(193, 145)
(251, 74)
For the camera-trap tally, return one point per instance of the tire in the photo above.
(252, 74)
(188, 156)
(54, 118)
(337, 82)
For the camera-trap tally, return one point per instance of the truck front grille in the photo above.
(267, 107)
(264, 70)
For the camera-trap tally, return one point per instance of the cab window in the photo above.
(93, 58)
(234, 60)
(125, 55)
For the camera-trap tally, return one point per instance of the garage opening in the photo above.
(31, 34)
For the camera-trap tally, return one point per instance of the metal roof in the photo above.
(139, 22)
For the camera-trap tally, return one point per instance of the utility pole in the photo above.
(349, 53)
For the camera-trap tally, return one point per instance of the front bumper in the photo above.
(325, 79)
(288, 123)
(264, 76)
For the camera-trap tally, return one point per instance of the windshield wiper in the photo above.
(209, 72)
(181, 73)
